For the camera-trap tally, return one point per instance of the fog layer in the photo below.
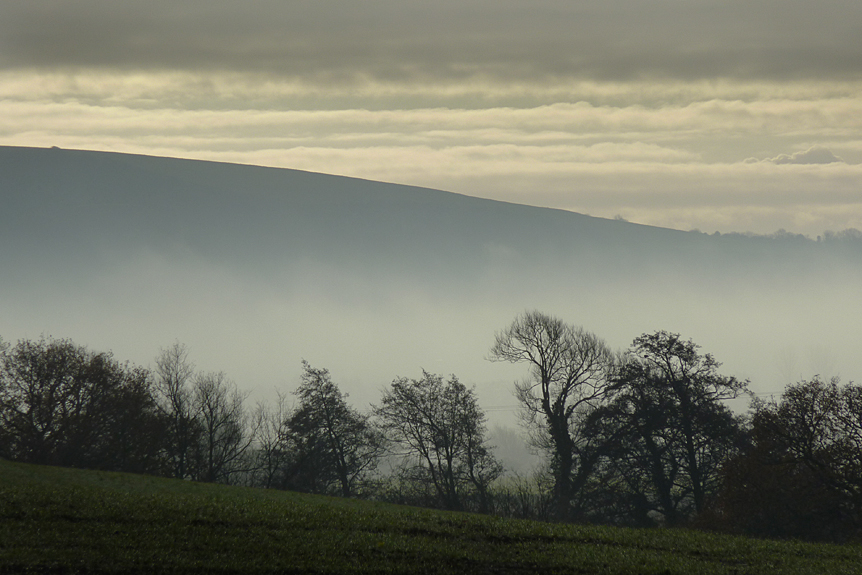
(257, 268)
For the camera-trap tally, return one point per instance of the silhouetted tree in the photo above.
(225, 437)
(767, 492)
(175, 397)
(271, 446)
(569, 377)
(439, 430)
(61, 404)
(802, 476)
(820, 424)
(334, 444)
(666, 432)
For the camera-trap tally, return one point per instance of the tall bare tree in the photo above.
(225, 437)
(271, 454)
(174, 374)
(569, 376)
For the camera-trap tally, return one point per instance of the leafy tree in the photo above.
(61, 404)
(820, 424)
(667, 432)
(766, 492)
(334, 444)
(569, 377)
(439, 430)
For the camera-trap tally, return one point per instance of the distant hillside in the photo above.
(351, 273)
(65, 202)
(71, 203)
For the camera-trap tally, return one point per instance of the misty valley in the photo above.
(385, 345)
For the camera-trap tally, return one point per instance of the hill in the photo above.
(256, 268)
(55, 520)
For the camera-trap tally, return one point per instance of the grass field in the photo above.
(55, 520)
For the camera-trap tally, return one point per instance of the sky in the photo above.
(690, 114)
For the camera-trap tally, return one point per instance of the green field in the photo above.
(55, 520)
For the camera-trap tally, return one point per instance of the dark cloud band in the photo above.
(389, 40)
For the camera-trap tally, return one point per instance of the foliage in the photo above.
(61, 404)
(820, 424)
(645, 438)
(666, 432)
(802, 476)
(333, 444)
(440, 431)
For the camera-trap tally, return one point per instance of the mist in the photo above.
(255, 269)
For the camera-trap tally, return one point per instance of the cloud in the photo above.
(338, 42)
(813, 155)
(678, 164)
(643, 109)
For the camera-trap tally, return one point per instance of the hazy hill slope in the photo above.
(76, 204)
(375, 279)
(224, 209)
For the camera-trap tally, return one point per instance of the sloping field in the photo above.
(56, 520)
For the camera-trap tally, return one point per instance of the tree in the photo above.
(127, 433)
(803, 475)
(224, 437)
(569, 377)
(271, 454)
(820, 424)
(335, 444)
(666, 430)
(208, 435)
(439, 430)
(174, 374)
(767, 492)
(61, 404)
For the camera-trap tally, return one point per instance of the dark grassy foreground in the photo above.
(56, 520)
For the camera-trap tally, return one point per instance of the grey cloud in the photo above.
(449, 40)
(814, 155)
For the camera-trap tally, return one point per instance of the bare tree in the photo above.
(569, 369)
(174, 374)
(225, 437)
(440, 430)
(270, 444)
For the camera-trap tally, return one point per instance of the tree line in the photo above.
(641, 437)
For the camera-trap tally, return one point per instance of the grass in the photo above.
(55, 520)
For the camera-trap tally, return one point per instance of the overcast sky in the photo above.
(718, 115)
